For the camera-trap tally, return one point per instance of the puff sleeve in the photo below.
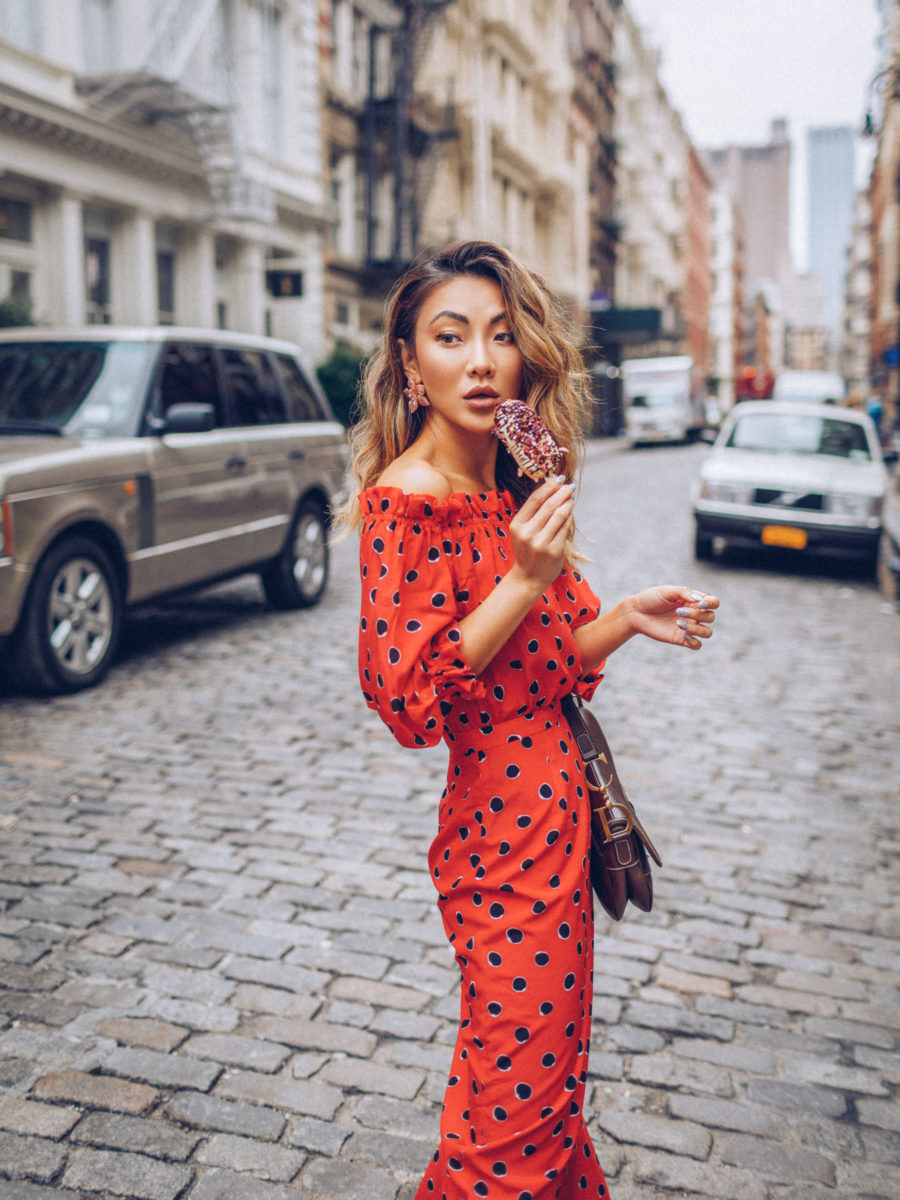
(581, 605)
(410, 663)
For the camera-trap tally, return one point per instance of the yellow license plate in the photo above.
(784, 535)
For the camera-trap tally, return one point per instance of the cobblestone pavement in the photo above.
(222, 975)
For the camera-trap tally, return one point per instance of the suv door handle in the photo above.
(236, 462)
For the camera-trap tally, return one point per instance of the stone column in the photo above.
(59, 278)
(134, 270)
(195, 278)
(481, 146)
(247, 285)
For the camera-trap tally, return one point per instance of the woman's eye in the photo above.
(506, 336)
(448, 338)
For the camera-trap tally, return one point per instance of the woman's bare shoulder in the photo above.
(415, 477)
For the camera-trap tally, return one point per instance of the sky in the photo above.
(731, 66)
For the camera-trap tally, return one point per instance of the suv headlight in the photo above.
(729, 493)
(858, 507)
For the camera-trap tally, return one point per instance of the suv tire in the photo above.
(298, 576)
(71, 621)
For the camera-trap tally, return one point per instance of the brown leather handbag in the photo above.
(620, 869)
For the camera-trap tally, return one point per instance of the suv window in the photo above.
(255, 395)
(189, 376)
(90, 389)
(301, 399)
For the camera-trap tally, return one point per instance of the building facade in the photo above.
(807, 337)
(652, 198)
(759, 180)
(517, 169)
(884, 346)
(698, 282)
(857, 324)
(161, 163)
(591, 32)
(273, 165)
(456, 118)
(831, 156)
(727, 303)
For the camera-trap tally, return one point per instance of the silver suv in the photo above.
(135, 462)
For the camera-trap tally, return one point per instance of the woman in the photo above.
(475, 623)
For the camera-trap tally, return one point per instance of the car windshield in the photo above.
(91, 389)
(797, 433)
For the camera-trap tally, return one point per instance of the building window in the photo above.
(361, 28)
(342, 185)
(165, 287)
(221, 314)
(20, 285)
(98, 35)
(98, 234)
(166, 246)
(15, 220)
(96, 266)
(20, 21)
(271, 79)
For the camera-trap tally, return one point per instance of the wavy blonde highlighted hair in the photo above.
(554, 381)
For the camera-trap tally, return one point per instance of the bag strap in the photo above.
(612, 790)
(571, 705)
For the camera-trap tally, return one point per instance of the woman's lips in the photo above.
(482, 400)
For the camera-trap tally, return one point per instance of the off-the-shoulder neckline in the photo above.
(495, 498)
(390, 487)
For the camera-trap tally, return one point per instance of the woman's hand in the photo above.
(679, 615)
(540, 531)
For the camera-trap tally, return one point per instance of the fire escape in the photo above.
(167, 85)
(405, 131)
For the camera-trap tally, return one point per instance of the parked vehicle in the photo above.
(807, 477)
(809, 387)
(664, 400)
(139, 462)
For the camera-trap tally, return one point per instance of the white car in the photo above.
(807, 477)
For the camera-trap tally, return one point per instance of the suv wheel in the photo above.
(297, 577)
(70, 626)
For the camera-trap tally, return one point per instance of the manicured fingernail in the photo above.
(682, 624)
(703, 604)
(682, 612)
(695, 595)
(560, 479)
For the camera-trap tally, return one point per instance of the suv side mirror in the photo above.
(186, 417)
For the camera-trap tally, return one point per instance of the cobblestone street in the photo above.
(223, 975)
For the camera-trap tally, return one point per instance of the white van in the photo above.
(663, 401)
(809, 387)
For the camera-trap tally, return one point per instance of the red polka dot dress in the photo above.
(510, 857)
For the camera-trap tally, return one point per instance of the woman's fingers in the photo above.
(541, 529)
(533, 502)
(541, 510)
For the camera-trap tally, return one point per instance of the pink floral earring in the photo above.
(415, 394)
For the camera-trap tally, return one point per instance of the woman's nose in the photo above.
(480, 362)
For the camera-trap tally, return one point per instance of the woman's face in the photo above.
(465, 353)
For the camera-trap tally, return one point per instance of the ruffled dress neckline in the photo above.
(379, 499)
